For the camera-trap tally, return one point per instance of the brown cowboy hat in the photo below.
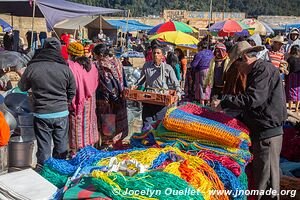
(239, 49)
(279, 38)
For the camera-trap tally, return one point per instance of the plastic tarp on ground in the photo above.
(53, 10)
(133, 25)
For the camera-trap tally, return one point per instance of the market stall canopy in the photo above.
(4, 26)
(132, 25)
(84, 21)
(53, 10)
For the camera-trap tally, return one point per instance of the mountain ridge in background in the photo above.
(252, 8)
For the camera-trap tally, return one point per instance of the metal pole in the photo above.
(100, 16)
(32, 25)
(224, 8)
(127, 27)
(210, 19)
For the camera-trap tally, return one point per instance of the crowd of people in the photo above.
(78, 91)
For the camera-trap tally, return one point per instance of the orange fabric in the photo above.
(4, 131)
(184, 65)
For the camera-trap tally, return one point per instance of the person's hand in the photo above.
(133, 87)
(216, 105)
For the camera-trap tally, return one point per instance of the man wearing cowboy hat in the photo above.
(263, 111)
(293, 39)
(276, 54)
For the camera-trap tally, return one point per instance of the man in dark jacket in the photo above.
(264, 112)
(53, 88)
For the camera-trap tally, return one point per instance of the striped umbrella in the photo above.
(4, 26)
(176, 37)
(172, 26)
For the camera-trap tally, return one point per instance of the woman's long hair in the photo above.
(181, 54)
(295, 50)
(172, 59)
(83, 61)
(101, 49)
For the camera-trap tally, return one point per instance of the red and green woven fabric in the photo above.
(84, 189)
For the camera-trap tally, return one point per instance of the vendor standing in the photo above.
(263, 108)
(157, 75)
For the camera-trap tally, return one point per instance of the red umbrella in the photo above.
(226, 28)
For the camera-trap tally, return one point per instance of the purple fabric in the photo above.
(53, 10)
(58, 10)
(218, 74)
(293, 87)
(202, 59)
(243, 33)
(200, 94)
(216, 27)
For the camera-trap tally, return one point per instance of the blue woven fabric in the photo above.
(87, 156)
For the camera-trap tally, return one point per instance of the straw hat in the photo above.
(239, 49)
(279, 38)
(75, 49)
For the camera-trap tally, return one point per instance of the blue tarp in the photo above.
(288, 27)
(5, 26)
(53, 10)
(133, 25)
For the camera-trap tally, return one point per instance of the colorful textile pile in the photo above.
(190, 153)
(216, 116)
(205, 129)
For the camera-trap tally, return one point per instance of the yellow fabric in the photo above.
(209, 80)
(176, 37)
(76, 49)
(203, 179)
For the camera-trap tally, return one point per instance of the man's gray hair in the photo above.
(252, 54)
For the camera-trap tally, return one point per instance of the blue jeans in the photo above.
(48, 129)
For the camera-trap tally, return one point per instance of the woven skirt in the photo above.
(293, 87)
(83, 127)
(199, 77)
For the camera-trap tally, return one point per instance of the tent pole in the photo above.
(127, 26)
(12, 20)
(210, 19)
(127, 21)
(122, 39)
(32, 25)
(100, 17)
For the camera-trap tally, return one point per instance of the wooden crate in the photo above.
(151, 97)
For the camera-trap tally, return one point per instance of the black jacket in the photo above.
(50, 79)
(263, 103)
